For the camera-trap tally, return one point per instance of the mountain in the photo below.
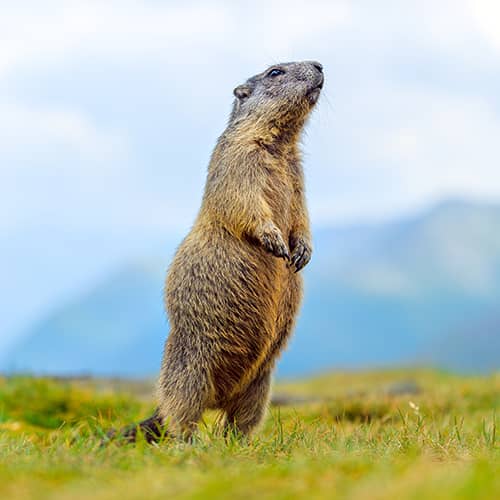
(424, 289)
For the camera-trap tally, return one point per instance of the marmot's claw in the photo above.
(281, 250)
(273, 243)
(301, 255)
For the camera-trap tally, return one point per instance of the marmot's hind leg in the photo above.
(183, 395)
(247, 409)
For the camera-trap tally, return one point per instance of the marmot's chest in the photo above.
(279, 197)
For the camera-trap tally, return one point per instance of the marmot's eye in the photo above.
(275, 72)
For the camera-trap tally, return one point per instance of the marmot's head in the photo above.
(282, 96)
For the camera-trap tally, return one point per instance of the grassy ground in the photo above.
(399, 434)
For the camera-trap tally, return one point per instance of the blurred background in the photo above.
(109, 111)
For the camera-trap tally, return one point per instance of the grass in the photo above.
(397, 434)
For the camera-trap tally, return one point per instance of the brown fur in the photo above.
(233, 291)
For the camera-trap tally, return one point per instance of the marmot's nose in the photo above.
(318, 66)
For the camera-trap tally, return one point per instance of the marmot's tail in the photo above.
(151, 428)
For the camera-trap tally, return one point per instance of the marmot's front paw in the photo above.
(301, 254)
(273, 242)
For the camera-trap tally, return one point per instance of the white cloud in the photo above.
(50, 34)
(485, 16)
(405, 133)
(395, 149)
(33, 131)
(54, 162)
(448, 146)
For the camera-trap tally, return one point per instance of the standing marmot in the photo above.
(233, 291)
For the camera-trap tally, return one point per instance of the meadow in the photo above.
(363, 435)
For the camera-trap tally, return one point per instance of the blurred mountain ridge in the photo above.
(422, 289)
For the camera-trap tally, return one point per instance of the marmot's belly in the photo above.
(225, 294)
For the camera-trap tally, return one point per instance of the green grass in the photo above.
(354, 435)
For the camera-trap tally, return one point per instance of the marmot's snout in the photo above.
(317, 66)
(317, 81)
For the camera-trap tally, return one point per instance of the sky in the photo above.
(109, 111)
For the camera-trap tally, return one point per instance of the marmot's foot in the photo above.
(151, 428)
(301, 255)
(273, 242)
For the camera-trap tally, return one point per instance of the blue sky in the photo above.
(109, 111)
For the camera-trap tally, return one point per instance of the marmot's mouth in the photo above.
(313, 94)
(320, 84)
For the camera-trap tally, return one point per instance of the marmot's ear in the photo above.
(242, 91)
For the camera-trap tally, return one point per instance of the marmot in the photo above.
(233, 289)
